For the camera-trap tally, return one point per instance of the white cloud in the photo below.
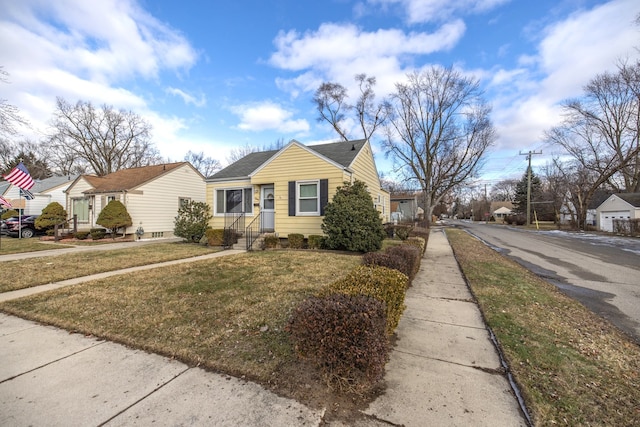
(268, 116)
(421, 11)
(187, 98)
(571, 53)
(90, 51)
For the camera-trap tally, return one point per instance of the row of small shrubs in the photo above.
(345, 330)
(294, 241)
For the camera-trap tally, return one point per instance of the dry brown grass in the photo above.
(573, 367)
(11, 245)
(42, 270)
(227, 314)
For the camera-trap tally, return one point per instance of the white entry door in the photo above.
(267, 208)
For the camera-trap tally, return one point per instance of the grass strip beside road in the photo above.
(572, 366)
(30, 272)
(227, 314)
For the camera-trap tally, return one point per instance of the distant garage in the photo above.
(622, 206)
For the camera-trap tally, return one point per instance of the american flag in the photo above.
(20, 177)
(27, 194)
(5, 202)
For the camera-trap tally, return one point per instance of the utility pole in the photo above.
(529, 182)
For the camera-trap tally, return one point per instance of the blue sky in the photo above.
(213, 76)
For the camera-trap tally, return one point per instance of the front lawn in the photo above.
(30, 272)
(12, 245)
(227, 314)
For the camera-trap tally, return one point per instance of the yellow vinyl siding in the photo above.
(364, 169)
(218, 220)
(297, 164)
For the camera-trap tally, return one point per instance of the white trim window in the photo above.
(233, 200)
(308, 202)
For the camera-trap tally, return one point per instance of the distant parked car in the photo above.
(23, 226)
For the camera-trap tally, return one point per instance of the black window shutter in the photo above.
(292, 198)
(324, 194)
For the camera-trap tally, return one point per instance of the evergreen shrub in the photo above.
(82, 235)
(351, 221)
(215, 236)
(270, 241)
(384, 284)
(315, 241)
(51, 215)
(192, 221)
(344, 336)
(114, 216)
(97, 233)
(296, 240)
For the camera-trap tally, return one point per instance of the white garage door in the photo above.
(606, 219)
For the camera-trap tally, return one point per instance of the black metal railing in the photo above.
(253, 231)
(233, 227)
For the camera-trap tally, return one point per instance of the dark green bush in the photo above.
(192, 221)
(9, 214)
(351, 221)
(296, 240)
(411, 254)
(385, 284)
(51, 215)
(97, 233)
(82, 235)
(344, 336)
(386, 260)
(315, 242)
(402, 232)
(114, 216)
(215, 237)
(270, 241)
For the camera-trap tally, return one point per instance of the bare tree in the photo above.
(206, 165)
(239, 152)
(9, 114)
(438, 131)
(601, 134)
(331, 102)
(504, 191)
(99, 140)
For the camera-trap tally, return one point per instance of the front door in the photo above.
(267, 208)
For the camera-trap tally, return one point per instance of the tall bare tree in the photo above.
(99, 140)
(206, 165)
(601, 134)
(331, 102)
(504, 191)
(438, 131)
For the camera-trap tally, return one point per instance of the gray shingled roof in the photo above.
(342, 153)
(52, 182)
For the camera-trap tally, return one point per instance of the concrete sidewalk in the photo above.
(444, 370)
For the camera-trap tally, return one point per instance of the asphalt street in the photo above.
(599, 270)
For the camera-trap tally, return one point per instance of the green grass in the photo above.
(226, 314)
(30, 272)
(573, 367)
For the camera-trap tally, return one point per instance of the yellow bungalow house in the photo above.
(285, 191)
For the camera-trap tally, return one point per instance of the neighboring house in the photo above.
(404, 207)
(46, 191)
(287, 189)
(501, 210)
(151, 194)
(568, 211)
(624, 206)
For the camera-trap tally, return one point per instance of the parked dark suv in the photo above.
(24, 226)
